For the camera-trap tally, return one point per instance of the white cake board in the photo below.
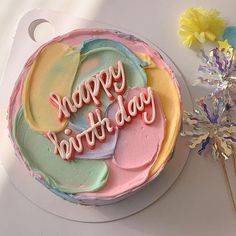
(23, 46)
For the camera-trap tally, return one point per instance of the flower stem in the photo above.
(222, 161)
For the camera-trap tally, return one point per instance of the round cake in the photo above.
(94, 115)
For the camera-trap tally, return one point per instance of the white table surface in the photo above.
(198, 203)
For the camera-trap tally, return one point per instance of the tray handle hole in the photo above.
(41, 31)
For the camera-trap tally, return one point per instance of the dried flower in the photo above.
(211, 126)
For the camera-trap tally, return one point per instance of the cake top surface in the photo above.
(90, 116)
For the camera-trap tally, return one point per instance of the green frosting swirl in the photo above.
(66, 176)
(97, 55)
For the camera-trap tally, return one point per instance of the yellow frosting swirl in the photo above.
(56, 74)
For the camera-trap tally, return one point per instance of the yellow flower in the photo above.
(200, 25)
(224, 45)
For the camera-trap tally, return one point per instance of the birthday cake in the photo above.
(94, 115)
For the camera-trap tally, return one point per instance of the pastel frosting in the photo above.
(122, 164)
